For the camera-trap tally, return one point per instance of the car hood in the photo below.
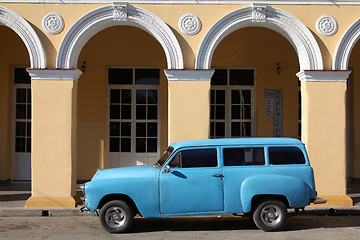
(126, 172)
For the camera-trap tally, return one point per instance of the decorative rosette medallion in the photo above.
(189, 24)
(326, 25)
(53, 23)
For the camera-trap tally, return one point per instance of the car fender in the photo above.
(295, 190)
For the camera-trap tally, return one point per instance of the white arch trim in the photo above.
(27, 34)
(345, 46)
(114, 15)
(259, 15)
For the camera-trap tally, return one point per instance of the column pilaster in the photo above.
(53, 133)
(323, 118)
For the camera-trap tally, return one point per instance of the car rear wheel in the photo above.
(116, 216)
(270, 215)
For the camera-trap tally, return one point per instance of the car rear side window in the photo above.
(243, 156)
(286, 155)
(195, 158)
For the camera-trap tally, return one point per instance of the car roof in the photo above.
(236, 141)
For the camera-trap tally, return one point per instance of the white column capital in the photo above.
(323, 76)
(189, 75)
(54, 74)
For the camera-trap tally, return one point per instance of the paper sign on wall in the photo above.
(274, 108)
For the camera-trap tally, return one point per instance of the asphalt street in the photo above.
(302, 226)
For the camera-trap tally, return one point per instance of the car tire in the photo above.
(270, 215)
(116, 216)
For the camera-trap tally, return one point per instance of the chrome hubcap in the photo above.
(271, 215)
(115, 217)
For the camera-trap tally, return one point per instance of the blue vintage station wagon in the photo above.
(260, 176)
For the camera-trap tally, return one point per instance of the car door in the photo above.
(194, 183)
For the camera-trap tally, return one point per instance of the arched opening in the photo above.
(254, 90)
(15, 105)
(122, 100)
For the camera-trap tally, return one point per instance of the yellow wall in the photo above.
(114, 47)
(354, 113)
(13, 53)
(246, 48)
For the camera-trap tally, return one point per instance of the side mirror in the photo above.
(166, 169)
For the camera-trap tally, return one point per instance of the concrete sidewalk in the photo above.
(13, 196)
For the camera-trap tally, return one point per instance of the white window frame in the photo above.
(228, 89)
(16, 172)
(133, 156)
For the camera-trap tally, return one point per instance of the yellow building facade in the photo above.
(95, 84)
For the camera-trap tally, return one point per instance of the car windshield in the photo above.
(165, 156)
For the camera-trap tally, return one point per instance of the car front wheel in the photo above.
(116, 216)
(270, 215)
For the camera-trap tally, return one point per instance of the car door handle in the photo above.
(218, 175)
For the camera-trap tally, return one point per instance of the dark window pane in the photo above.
(28, 113)
(115, 96)
(125, 111)
(212, 96)
(114, 145)
(114, 129)
(241, 77)
(140, 129)
(220, 129)
(125, 129)
(243, 156)
(126, 96)
(114, 112)
(219, 77)
(152, 130)
(286, 155)
(235, 129)
(20, 145)
(140, 144)
(152, 112)
(152, 97)
(212, 130)
(246, 129)
(220, 96)
(220, 112)
(212, 112)
(235, 112)
(20, 111)
(151, 145)
(120, 76)
(28, 129)
(28, 145)
(246, 94)
(22, 76)
(140, 112)
(29, 95)
(20, 129)
(235, 96)
(140, 96)
(199, 158)
(246, 112)
(126, 145)
(21, 95)
(147, 76)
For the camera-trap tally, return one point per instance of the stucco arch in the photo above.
(114, 15)
(345, 46)
(27, 34)
(258, 15)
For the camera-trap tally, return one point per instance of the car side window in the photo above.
(243, 156)
(195, 158)
(286, 155)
